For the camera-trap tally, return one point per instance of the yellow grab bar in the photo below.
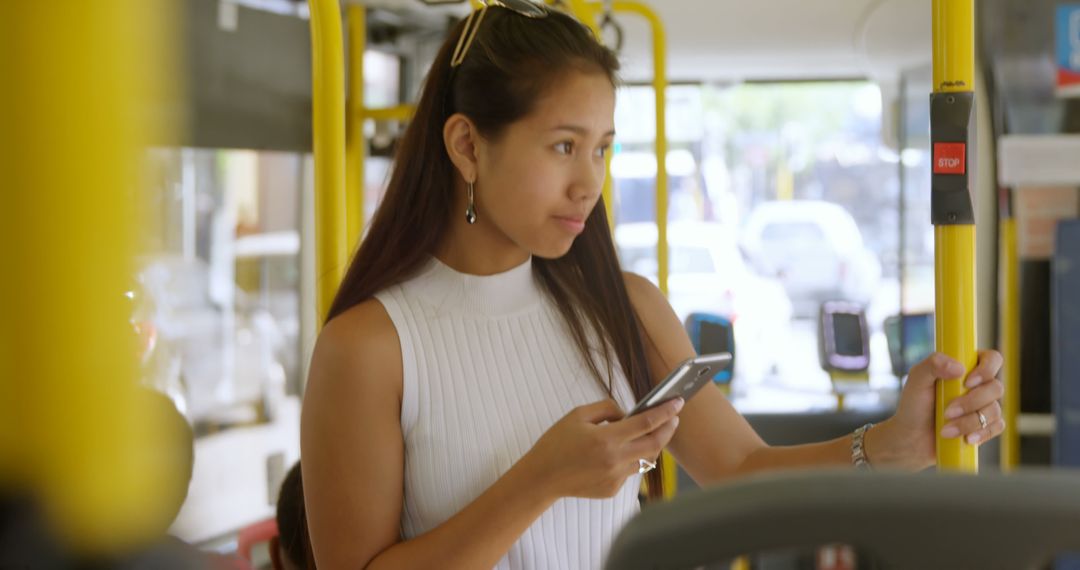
(660, 88)
(955, 323)
(328, 110)
(952, 211)
(74, 431)
(396, 113)
(356, 19)
(355, 144)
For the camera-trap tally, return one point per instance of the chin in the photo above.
(553, 250)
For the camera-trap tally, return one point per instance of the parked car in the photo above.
(708, 274)
(815, 249)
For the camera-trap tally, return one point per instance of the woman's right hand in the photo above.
(592, 450)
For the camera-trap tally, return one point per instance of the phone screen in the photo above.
(847, 332)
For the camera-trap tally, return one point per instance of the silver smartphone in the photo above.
(685, 380)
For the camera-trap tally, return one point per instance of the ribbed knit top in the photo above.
(488, 366)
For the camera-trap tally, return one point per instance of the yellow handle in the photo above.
(75, 431)
(328, 110)
(954, 264)
(955, 332)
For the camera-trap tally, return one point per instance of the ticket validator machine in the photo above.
(911, 340)
(844, 347)
(711, 333)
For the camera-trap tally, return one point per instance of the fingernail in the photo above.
(675, 422)
(973, 381)
(974, 438)
(678, 404)
(956, 369)
(953, 412)
(950, 432)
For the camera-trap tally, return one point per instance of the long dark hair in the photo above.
(292, 520)
(511, 62)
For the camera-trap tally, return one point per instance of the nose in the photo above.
(588, 180)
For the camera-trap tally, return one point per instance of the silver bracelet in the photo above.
(858, 449)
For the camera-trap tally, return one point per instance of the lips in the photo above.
(572, 224)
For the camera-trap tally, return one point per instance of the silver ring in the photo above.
(644, 465)
(982, 420)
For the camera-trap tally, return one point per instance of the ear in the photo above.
(461, 138)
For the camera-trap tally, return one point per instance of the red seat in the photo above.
(249, 536)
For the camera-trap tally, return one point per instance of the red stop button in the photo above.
(950, 158)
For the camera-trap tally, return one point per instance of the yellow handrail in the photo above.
(356, 19)
(954, 62)
(395, 113)
(328, 110)
(74, 431)
(659, 41)
(355, 145)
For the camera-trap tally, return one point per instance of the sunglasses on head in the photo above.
(525, 8)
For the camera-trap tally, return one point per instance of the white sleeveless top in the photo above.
(488, 366)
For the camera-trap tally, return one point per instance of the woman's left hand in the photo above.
(908, 440)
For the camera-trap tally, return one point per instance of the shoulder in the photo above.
(650, 305)
(365, 325)
(355, 349)
(643, 293)
(665, 339)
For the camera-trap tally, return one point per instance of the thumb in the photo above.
(597, 412)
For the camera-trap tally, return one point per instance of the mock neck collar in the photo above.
(512, 291)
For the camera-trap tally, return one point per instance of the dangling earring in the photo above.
(470, 211)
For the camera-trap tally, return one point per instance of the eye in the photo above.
(565, 147)
(602, 151)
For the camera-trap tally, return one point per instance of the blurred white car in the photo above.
(708, 274)
(815, 249)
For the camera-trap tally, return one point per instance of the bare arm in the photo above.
(714, 442)
(479, 535)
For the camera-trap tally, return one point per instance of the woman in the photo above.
(466, 397)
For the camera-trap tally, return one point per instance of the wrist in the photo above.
(532, 477)
(886, 447)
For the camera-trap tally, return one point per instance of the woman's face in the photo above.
(539, 181)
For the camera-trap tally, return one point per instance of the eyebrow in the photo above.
(580, 130)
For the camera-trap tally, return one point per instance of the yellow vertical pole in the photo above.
(75, 433)
(954, 232)
(356, 17)
(659, 41)
(328, 110)
(785, 181)
(1010, 344)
